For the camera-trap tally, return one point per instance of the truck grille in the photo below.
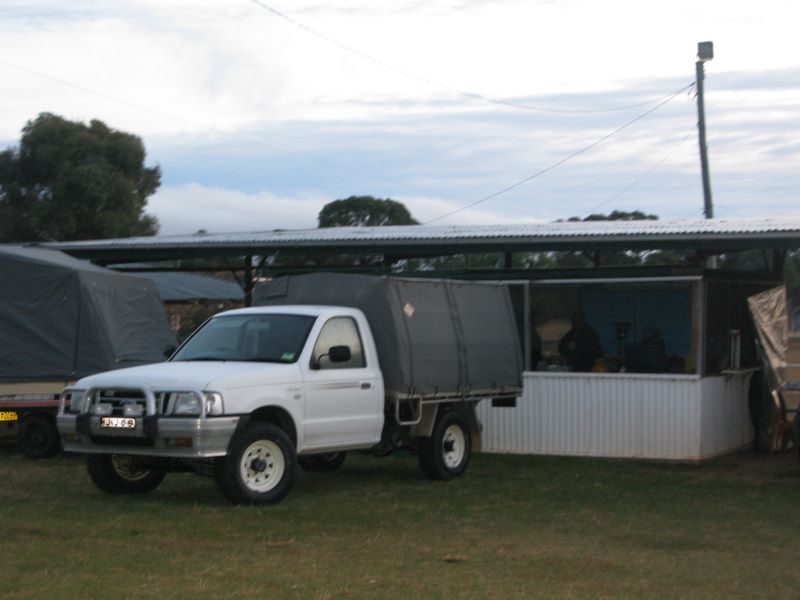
(119, 399)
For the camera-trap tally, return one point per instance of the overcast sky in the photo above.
(257, 122)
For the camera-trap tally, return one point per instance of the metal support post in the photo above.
(248, 280)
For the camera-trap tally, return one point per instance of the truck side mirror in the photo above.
(335, 354)
(169, 350)
(339, 354)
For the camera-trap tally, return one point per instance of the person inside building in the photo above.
(580, 346)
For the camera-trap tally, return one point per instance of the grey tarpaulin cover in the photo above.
(181, 287)
(432, 336)
(63, 318)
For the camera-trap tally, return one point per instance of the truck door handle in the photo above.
(366, 385)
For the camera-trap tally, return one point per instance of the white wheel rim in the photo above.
(454, 446)
(262, 466)
(124, 466)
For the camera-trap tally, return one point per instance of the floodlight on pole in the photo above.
(705, 51)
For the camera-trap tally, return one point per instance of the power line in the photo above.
(444, 86)
(253, 139)
(326, 163)
(561, 161)
(104, 95)
(646, 173)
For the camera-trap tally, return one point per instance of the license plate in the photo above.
(117, 423)
(9, 415)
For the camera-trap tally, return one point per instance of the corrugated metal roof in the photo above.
(451, 232)
(650, 234)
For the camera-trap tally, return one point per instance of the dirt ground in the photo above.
(755, 465)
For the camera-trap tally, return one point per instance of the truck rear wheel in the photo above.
(330, 461)
(38, 437)
(259, 466)
(446, 453)
(121, 474)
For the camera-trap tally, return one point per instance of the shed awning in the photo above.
(709, 236)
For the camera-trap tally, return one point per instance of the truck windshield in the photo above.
(258, 338)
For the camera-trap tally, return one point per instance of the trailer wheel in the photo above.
(121, 474)
(38, 437)
(330, 461)
(446, 453)
(259, 466)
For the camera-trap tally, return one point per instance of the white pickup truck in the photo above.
(255, 391)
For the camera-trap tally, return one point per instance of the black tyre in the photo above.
(38, 437)
(330, 461)
(446, 453)
(259, 467)
(121, 474)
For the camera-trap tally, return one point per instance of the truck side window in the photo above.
(339, 331)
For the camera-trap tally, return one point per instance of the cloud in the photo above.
(225, 65)
(185, 209)
(426, 209)
(459, 157)
(249, 111)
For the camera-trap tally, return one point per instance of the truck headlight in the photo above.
(186, 403)
(189, 404)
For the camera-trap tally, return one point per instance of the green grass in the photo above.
(512, 527)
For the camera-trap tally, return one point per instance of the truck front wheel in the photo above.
(259, 466)
(446, 453)
(120, 474)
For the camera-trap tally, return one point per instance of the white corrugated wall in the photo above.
(680, 417)
(725, 418)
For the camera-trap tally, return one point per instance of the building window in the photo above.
(628, 327)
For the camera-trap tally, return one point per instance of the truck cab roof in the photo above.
(310, 310)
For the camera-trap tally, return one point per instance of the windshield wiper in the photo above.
(204, 358)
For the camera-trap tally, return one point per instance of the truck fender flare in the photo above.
(269, 414)
(431, 411)
(425, 426)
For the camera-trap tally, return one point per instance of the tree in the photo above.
(618, 215)
(70, 181)
(364, 211)
(351, 212)
(620, 258)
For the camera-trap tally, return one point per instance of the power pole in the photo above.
(705, 51)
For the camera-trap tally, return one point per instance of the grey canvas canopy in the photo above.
(63, 318)
(432, 336)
